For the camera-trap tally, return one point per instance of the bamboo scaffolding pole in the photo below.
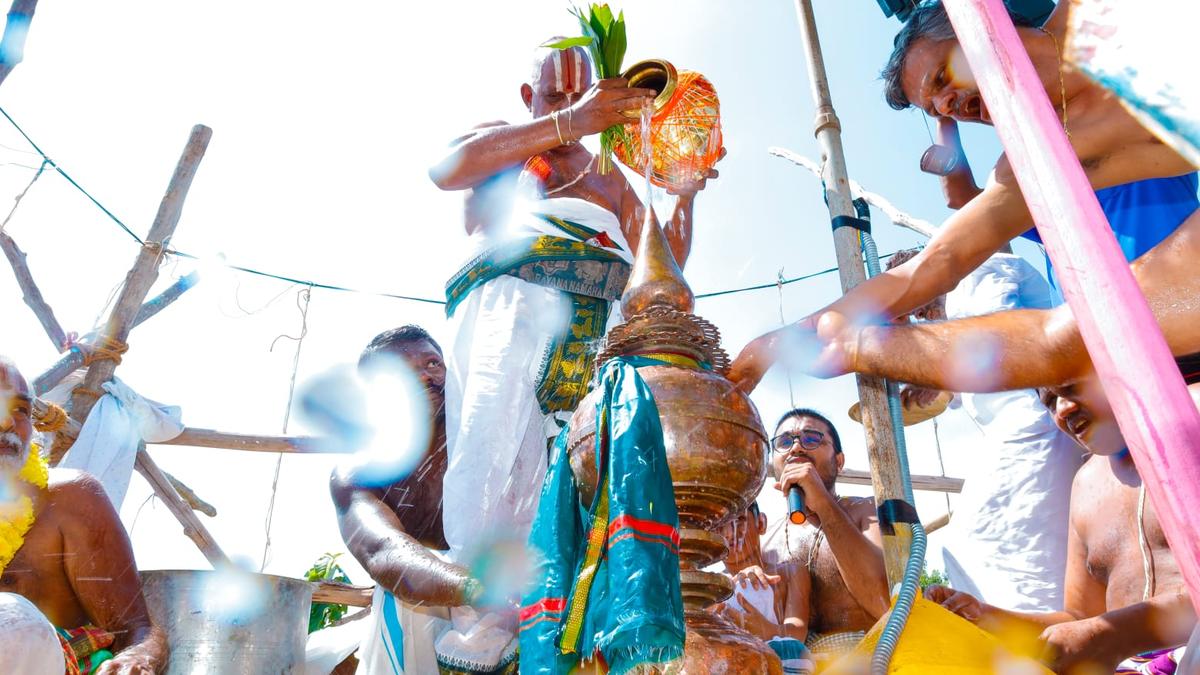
(192, 527)
(209, 438)
(1157, 417)
(76, 356)
(20, 17)
(144, 271)
(30, 293)
(872, 391)
(898, 217)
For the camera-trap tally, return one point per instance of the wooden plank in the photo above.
(192, 527)
(925, 483)
(143, 273)
(210, 438)
(30, 293)
(937, 523)
(342, 594)
(74, 358)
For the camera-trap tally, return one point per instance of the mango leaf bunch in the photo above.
(604, 37)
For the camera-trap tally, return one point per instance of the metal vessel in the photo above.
(229, 622)
(716, 448)
(655, 74)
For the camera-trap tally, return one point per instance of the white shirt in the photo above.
(1007, 541)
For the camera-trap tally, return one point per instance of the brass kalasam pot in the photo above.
(655, 74)
(716, 446)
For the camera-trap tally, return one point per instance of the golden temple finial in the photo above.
(656, 280)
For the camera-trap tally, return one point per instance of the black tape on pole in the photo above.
(895, 511)
(850, 221)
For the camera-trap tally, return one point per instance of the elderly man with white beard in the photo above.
(70, 597)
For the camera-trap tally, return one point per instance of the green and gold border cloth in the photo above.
(591, 277)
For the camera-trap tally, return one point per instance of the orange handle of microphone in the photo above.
(795, 498)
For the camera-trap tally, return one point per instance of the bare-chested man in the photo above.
(834, 581)
(1124, 593)
(932, 74)
(75, 564)
(393, 530)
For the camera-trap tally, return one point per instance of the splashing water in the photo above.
(504, 568)
(382, 419)
(647, 149)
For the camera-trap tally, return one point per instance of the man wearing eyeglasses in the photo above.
(834, 581)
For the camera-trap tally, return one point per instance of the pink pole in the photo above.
(1152, 406)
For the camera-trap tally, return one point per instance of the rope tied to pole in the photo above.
(54, 420)
(105, 348)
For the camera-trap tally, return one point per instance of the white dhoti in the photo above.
(28, 643)
(400, 637)
(496, 431)
(505, 332)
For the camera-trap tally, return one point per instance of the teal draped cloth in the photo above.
(606, 579)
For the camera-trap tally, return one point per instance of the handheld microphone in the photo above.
(795, 499)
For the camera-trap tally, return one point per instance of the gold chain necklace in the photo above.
(1062, 83)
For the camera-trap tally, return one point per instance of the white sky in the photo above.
(325, 117)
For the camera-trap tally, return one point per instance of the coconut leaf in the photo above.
(567, 43)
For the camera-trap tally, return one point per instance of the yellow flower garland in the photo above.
(16, 518)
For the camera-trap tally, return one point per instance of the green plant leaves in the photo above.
(567, 43)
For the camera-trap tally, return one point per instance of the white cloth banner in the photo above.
(108, 442)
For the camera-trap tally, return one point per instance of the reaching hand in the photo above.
(755, 577)
(820, 345)
(1079, 643)
(691, 187)
(604, 105)
(962, 604)
(129, 662)
(748, 618)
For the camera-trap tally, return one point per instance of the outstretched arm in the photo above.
(393, 558)
(485, 152)
(1025, 348)
(98, 560)
(677, 229)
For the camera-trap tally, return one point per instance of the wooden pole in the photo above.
(925, 483)
(1149, 399)
(145, 269)
(31, 295)
(872, 391)
(75, 357)
(209, 438)
(12, 46)
(338, 593)
(192, 527)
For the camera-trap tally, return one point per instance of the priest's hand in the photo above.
(696, 182)
(603, 105)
